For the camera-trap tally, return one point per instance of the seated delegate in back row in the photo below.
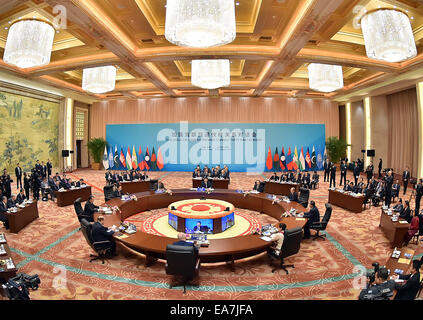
(216, 172)
(304, 179)
(114, 177)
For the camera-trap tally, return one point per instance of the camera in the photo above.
(372, 274)
(17, 288)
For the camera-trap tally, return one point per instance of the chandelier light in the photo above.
(210, 74)
(325, 77)
(388, 35)
(200, 23)
(99, 79)
(29, 43)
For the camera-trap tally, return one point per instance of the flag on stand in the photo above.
(319, 160)
(147, 163)
(122, 158)
(111, 162)
(295, 159)
(289, 159)
(141, 164)
(128, 159)
(308, 160)
(153, 160)
(302, 161)
(134, 159)
(269, 161)
(283, 160)
(313, 159)
(160, 163)
(116, 159)
(276, 163)
(105, 159)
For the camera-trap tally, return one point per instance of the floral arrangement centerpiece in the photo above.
(133, 197)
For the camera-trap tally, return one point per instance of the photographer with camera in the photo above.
(378, 286)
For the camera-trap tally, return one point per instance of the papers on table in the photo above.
(300, 219)
(268, 239)
(2, 238)
(404, 261)
(2, 249)
(403, 221)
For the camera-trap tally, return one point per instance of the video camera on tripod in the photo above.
(17, 288)
(372, 274)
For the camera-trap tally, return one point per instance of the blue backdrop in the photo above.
(241, 146)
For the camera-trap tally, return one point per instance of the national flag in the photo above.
(160, 163)
(319, 160)
(313, 159)
(283, 160)
(141, 165)
(308, 160)
(153, 160)
(134, 159)
(269, 162)
(116, 159)
(105, 159)
(325, 156)
(128, 159)
(111, 162)
(147, 163)
(289, 159)
(122, 158)
(295, 159)
(276, 164)
(302, 161)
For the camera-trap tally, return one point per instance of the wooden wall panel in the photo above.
(205, 109)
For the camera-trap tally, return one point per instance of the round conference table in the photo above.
(219, 250)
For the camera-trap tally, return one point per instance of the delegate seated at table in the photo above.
(293, 196)
(206, 183)
(3, 211)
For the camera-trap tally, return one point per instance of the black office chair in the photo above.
(320, 226)
(102, 253)
(79, 211)
(182, 262)
(291, 245)
(108, 192)
(304, 196)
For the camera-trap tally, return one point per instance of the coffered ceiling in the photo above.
(276, 40)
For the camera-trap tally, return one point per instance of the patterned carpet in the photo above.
(55, 249)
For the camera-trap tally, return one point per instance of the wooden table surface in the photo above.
(67, 197)
(135, 186)
(217, 183)
(219, 250)
(346, 201)
(23, 217)
(280, 188)
(394, 231)
(7, 273)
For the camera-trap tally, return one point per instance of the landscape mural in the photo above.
(29, 131)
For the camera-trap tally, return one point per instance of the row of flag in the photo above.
(132, 161)
(294, 161)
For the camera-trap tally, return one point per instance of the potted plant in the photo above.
(96, 147)
(336, 149)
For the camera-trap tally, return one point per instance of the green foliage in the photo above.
(18, 150)
(336, 148)
(96, 147)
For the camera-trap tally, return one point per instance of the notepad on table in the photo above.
(300, 219)
(403, 221)
(266, 238)
(404, 261)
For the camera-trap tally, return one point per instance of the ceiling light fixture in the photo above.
(99, 79)
(325, 77)
(29, 43)
(210, 74)
(388, 35)
(200, 23)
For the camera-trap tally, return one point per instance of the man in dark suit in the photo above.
(356, 172)
(332, 176)
(127, 176)
(419, 193)
(313, 216)
(20, 197)
(200, 228)
(43, 170)
(258, 186)
(388, 194)
(314, 180)
(144, 175)
(274, 177)
(395, 190)
(406, 178)
(38, 167)
(103, 236)
(11, 203)
(18, 174)
(293, 196)
(408, 291)
(398, 207)
(182, 237)
(90, 208)
(380, 168)
(406, 212)
(3, 210)
(49, 168)
(343, 168)
(326, 168)
(369, 171)
(206, 183)
(6, 181)
(290, 176)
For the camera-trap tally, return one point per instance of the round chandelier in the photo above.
(325, 77)
(99, 79)
(388, 35)
(210, 74)
(29, 43)
(200, 23)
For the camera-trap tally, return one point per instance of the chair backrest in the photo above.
(327, 215)
(292, 242)
(108, 192)
(304, 194)
(86, 231)
(78, 208)
(181, 260)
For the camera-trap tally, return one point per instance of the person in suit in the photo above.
(274, 177)
(356, 172)
(3, 210)
(332, 176)
(182, 241)
(398, 207)
(108, 176)
(406, 212)
(395, 190)
(412, 229)
(258, 186)
(127, 176)
(57, 177)
(6, 181)
(290, 176)
(90, 208)
(379, 193)
(283, 177)
(206, 183)
(38, 166)
(104, 235)
(80, 183)
(20, 198)
(27, 184)
(199, 228)
(369, 171)
(299, 177)
(389, 180)
(196, 173)
(144, 175)
(314, 180)
(380, 168)
(64, 184)
(419, 193)
(225, 173)
(381, 289)
(408, 290)
(326, 168)
(18, 174)
(405, 178)
(306, 180)
(45, 190)
(343, 169)
(49, 168)
(293, 196)
(36, 184)
(117, 191)
(349, 187)
(11, 202)
(43, 170)
(313, 216)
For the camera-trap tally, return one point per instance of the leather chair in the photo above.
(320, 226)
(291, 245)
(79, 211)
(182, 262)
(102, 253)
(303, 197)
(108, 192)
